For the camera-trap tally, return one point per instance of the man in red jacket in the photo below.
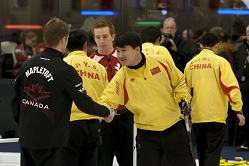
(117, 136)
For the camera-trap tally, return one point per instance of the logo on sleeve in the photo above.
(117, 87)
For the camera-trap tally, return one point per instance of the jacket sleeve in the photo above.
(230, 86)
(113, 94)
(178, 84)
(73, 85)
(16, 97)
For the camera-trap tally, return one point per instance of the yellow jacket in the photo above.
(152, 93)
(150, 49)
(213, 83)
(94, 78)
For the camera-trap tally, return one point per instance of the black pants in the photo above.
(82, 145)
(117, 138)
(245, 108)
(209, 141)
(172, 142)
(39, 157)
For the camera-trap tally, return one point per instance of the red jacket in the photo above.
(112, 65)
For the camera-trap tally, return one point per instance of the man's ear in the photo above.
(201, 46)
(85, 47)
(157, 42)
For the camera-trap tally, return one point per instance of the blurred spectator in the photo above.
(197, 18)
(237, 33)
(242, 74)
(176, 45)
(7, 49)
(222, 51)
(90, 21)
(39, 48)
(24, 50)
(193, 45)
(9, 45)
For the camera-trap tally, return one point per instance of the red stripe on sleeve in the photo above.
(126, 97)
(227, 89)
(166, 69)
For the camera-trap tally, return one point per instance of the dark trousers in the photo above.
(172, 142)
(209, 141)
(245, 108)
(82, 145)
(117, 138)
(39, 157)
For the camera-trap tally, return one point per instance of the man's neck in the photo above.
(106, 52)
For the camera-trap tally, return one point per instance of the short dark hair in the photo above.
(54, 30)
(128, 38)
(150, 34)
(76, 40)
(209, 39)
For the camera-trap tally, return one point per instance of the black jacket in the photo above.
(183, 54)
(240, 63)
(42, 98)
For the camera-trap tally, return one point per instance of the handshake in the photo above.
(111, 115)
(185, 108)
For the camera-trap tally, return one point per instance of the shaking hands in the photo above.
(111, 115)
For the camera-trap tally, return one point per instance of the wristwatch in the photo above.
(239, 112)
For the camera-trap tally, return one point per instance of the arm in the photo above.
(230, 86)
(16, 98)
(179, 84)
(240, 60)
(113, 94)
(73, 85)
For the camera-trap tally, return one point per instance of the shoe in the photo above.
(242, 148)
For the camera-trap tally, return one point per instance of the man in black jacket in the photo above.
(242, 74)
(42, 97)
(178, 47)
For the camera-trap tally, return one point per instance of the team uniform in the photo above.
(41, 102)
(117, 136)
(151, 49)
(84, 129)
(152, 92)
(213, 84)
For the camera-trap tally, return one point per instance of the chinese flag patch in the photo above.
(155, 70)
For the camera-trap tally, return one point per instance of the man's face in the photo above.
(128, 56)
(103, 38)
(247, 34)
(170, 27)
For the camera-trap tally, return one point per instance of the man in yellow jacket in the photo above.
(84, 130)
(212, 83)
(151, 87)
(151, 37)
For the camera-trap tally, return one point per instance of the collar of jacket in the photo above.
(52, 52)
(79, 52)
(205, 50)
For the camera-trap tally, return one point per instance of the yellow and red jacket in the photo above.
(150, 49)
(151, 92)
(94, 79)
(214, 84)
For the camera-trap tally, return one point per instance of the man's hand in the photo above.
(241, 119)
(173, 47)
(111, 115)
(185, 108)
